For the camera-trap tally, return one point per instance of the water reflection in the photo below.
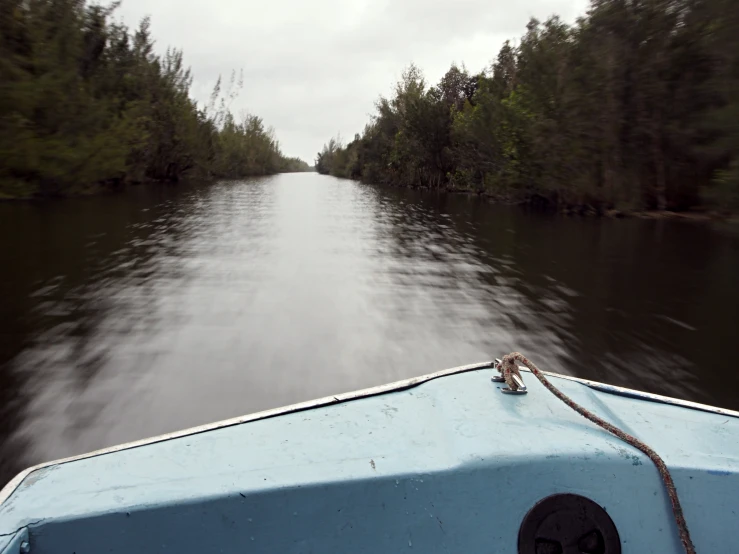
(133, 315)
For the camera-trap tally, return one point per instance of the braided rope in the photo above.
(507, 368)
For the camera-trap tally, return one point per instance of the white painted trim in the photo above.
(326, 401)
(603, 387)
(13, 484)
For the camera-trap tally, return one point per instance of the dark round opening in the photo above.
(568, 524)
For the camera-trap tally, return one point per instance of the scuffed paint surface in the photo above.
(450, 466)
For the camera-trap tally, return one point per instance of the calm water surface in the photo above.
(126, 316)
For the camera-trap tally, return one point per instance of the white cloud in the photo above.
(313, 69)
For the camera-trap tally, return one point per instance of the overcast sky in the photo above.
(313, 69)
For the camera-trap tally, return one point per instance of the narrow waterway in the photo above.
(131, 315)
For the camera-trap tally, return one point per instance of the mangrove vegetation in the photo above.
(85, 102)
(635, 106)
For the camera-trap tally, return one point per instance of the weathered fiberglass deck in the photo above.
(447, 465)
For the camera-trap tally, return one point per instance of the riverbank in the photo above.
(99, 189)
(95, 189)
(696, 214)
(583, 210)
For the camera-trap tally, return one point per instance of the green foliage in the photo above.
(294, 165)
(634, 106)
(84, 102)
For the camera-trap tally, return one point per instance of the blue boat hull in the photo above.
(443, 463)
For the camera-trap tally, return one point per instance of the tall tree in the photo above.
(84, 102)
(632, 107)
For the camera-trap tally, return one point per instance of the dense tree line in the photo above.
(84, 102)
(295, 165)
(635, 106)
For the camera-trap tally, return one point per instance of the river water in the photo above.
(136, 314)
